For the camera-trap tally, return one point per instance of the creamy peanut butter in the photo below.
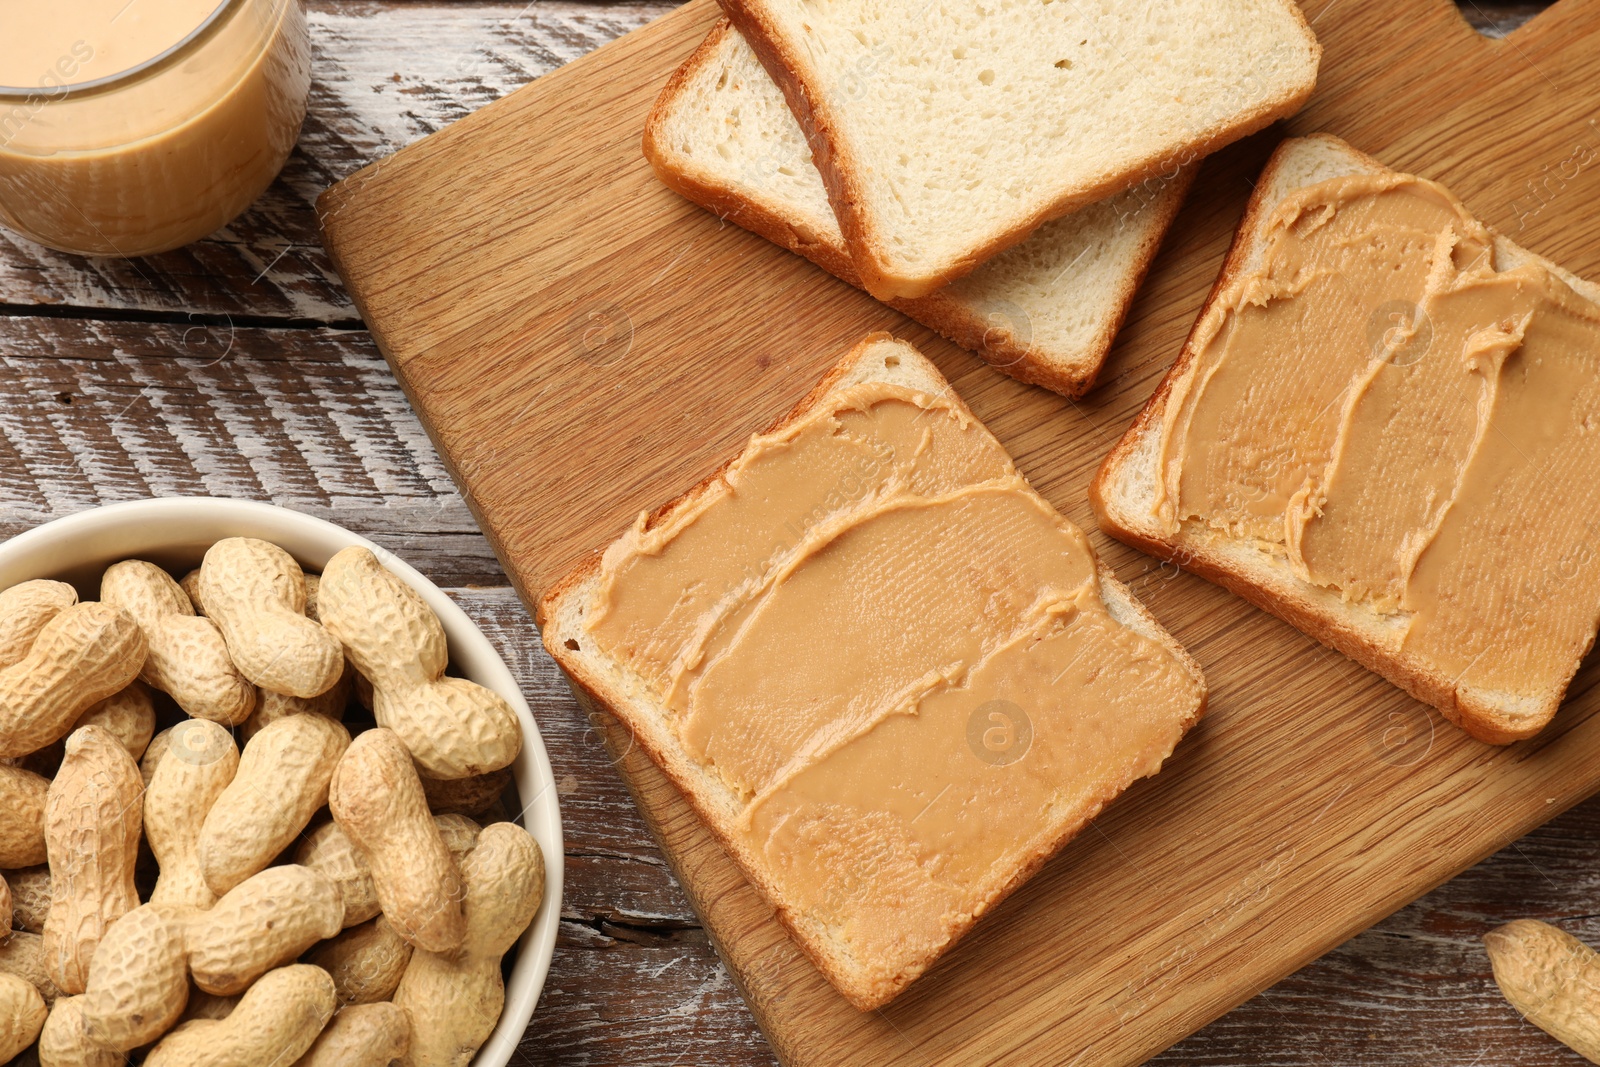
(100, 158)
(70, 41)
(1406, 420)
(896, 657)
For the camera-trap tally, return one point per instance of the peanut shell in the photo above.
(455, 999)
(255, 591)
(93, 814)
(312, 582)
(190, 584)
(264, 922)
(376, 798)
(199, 764)
(453, 728)
(30, 897)
(329, 850)
(281, 782)
(23, 956)
(1552, 978)
(64, 1041)
(203, 1005)
(366, 961)
(460, 835)
(274, 1023)
(466, 796)
(22, 799)
(187, 657)
(22, 1015)
(129, 714)
(153, 753)
(138, 979)
(24, 609)
(274, 706)
(361, 1035)
(84, 654)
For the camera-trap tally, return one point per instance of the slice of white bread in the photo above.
(602, 681)
(1044, 311)
(1124, 491)
(949, 131)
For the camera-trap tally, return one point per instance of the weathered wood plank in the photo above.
(93, 412)
(640, 1001)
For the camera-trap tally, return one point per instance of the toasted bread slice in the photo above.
(1045, 311)
(1125, 490)
(948, 132)
(869, 978)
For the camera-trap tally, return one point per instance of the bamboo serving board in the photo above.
(582, 345)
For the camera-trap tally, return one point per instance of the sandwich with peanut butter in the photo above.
(1385, 429)
(889, 676)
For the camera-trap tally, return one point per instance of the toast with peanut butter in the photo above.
(1384, 428)
(1044, 311)
(888, 675)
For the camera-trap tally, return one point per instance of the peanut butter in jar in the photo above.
(130, 127)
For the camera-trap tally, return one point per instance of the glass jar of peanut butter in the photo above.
(129, 127)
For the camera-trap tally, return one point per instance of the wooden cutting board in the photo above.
(582, 345)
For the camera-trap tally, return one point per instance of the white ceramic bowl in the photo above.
(175, 532)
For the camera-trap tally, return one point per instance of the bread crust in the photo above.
(1303, 606)
(749, 214)
(838, 165)
(1070, 374)
(866, 993)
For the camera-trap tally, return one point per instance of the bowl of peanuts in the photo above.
(267, 795)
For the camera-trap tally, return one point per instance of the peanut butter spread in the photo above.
(895, 657)
(1408, 420)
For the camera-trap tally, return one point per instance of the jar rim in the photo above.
(156, 64)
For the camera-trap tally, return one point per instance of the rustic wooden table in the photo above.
(238, 367)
